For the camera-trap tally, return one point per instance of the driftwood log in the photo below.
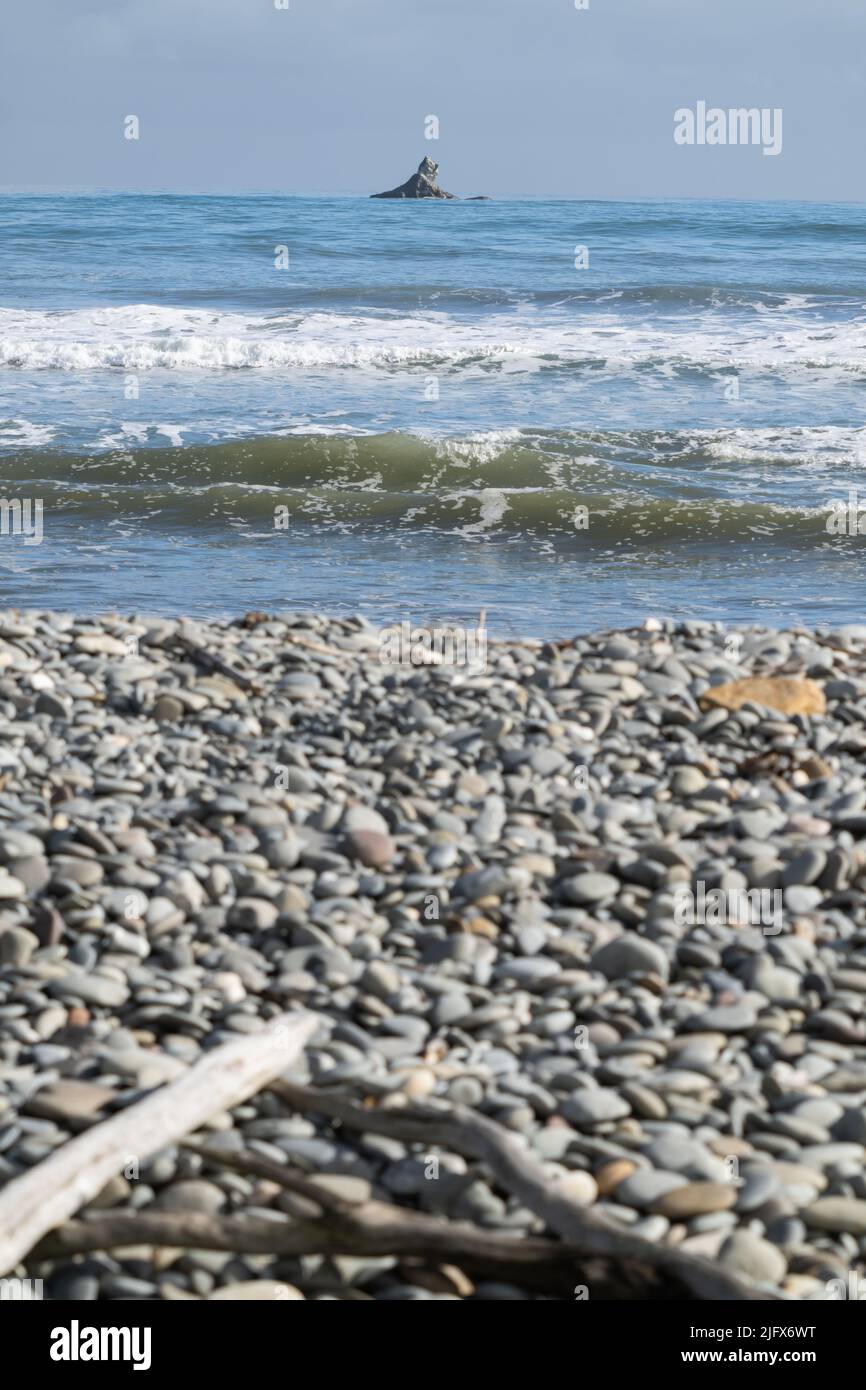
(55, 1189)
(36, 1209)
(524, 1177)
(618, 1269)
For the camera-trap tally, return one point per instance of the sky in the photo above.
(533, 97)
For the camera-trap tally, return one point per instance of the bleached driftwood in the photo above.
(373, 1228)
(516, 1169)
(591, 1251)
(55, 1189)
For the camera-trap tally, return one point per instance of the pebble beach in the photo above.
(475, 878)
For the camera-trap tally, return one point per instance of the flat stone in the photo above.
(594, 1107)
(645, 1187)
(371, 847)
(91, 989)
(629, 954)
(168, 709)
(802, 898)
(851, 1127)
(192, 1194)
(85, 872)
(794, 1174)
(826, 1155)
(547, 761)
(17, 945)
(821, 1112)
(55, 706)
(758, 824)
(676, 1153)
(750, 1255)
(71, 1285)
(34, 873)
(488, 826)
(551, 1142)
(589, 888)
(100, 644)
(70, 1099)
(726, 1018)
(759, 1185)
(482, 883)
(805, 867)
(10, 886)
(695, 1199)
(643, 1101)
(837, 1214)
(346, 1186)
(687, 781)
(146, 1067)
(19, 844)
(777, 983)
(364, 818)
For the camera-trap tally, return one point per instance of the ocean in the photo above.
(572, 415)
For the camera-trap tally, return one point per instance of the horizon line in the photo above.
(86, 190)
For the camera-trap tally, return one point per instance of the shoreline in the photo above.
(577, 892)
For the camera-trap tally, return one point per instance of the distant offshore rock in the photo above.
(423, 185)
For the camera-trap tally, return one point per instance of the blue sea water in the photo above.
(571, 414)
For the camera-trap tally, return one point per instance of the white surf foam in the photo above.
(144, 337)
(823, 446)
(24, 434)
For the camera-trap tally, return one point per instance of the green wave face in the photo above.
(633, 487)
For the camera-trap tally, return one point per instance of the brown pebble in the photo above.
(816, 768)
(373, 848)
(610, 1174)
(168, 709)
(481, 926)
(695, 1199)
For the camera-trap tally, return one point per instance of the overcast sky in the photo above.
(533, 97)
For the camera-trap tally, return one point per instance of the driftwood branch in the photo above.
(370, 1228)
(211, 661)
(35, 1209)
(55, 1189)
(519, 1173)
(375, 1229)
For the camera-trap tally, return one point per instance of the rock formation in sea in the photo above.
(423, 185)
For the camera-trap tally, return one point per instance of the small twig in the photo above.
(211, 662)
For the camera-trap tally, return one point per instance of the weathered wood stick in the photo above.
(517, 1170)
(212, 662)
(54, 1190)
(374, 1228)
